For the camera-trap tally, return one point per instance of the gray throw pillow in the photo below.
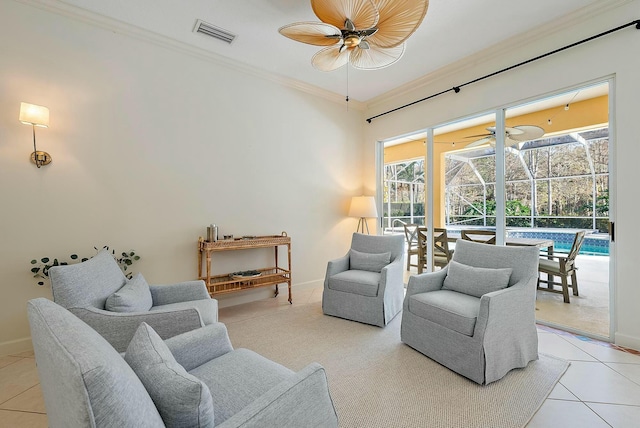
(475, 281)
(134, 296)
(373, 262)
(181, 399)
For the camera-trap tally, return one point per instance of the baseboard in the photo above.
(17, 346)
(248, 296)
(627, 341)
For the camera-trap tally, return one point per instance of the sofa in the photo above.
(195, 379)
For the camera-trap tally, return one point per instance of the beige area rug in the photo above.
(377, 381)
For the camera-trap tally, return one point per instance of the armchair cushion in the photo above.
(361, 282)
(181, 398)
(372, 262)
(475, 281)
(238, 378)
(134, 296)
(88, 283)
(456, 311)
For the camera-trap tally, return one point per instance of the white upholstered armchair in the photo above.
(98, 293)
(476, 316)
(366, 285)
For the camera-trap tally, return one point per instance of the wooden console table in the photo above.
(222, 284)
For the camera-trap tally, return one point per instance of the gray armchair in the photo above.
(95, 291)
(366, 285)
(193, 379)
(476, 316)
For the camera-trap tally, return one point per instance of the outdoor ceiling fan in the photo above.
(368, 33)
(513, 135)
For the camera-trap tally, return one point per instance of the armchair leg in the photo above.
(574, 283)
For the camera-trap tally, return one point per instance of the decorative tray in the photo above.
(245, 274)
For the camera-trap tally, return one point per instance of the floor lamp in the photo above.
(363, 207)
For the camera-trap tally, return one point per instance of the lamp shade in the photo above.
(31, 114)
(363, 207)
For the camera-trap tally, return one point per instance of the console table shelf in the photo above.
(223, 284)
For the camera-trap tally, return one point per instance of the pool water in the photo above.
(594, 244)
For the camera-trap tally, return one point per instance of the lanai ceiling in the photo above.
(451, 31)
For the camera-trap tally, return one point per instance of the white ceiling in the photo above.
(452, 30)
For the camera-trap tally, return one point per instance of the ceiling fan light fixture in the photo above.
(352, 41)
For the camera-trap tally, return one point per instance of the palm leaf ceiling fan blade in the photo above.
(312, 33)
(331, 58)
(375, 57)
(362, 13)
(399, 19)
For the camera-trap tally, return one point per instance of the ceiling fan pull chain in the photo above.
(347, 98)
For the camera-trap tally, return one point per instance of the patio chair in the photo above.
(441, 252)
(411, 236)
(481, 236)
(563, 266)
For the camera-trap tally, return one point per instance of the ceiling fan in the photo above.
(513, 135)
(368, 33)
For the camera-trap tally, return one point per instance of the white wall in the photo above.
(149, 146)
(615, 54)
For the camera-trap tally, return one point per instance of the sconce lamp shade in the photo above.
(31, 114)
(363, 207)
(34, 115)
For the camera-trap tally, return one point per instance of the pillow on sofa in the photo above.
(373, 262)
(475, 281)
(181, 399)
(134, 296)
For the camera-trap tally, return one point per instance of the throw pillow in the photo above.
(134, 296)
(181, 399)
(475, 281)
(373, 262)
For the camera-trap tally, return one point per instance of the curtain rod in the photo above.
(456, 89)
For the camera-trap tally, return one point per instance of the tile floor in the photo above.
(601, 388)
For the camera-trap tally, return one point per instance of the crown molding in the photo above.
(59, 8)
(500, 49)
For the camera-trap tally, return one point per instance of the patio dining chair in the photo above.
(411, 236)
(563, 266)
(441, 251)
(481, 236)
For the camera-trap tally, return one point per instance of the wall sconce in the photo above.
(31, 114)
(363, 207)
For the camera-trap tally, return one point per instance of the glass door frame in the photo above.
(500, 118)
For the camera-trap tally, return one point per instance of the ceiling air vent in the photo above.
(213, 31)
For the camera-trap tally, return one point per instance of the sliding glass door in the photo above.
(536, 173)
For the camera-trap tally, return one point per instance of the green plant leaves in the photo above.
(42, 271)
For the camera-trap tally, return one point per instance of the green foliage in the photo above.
(42, 266)
(513, 208)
